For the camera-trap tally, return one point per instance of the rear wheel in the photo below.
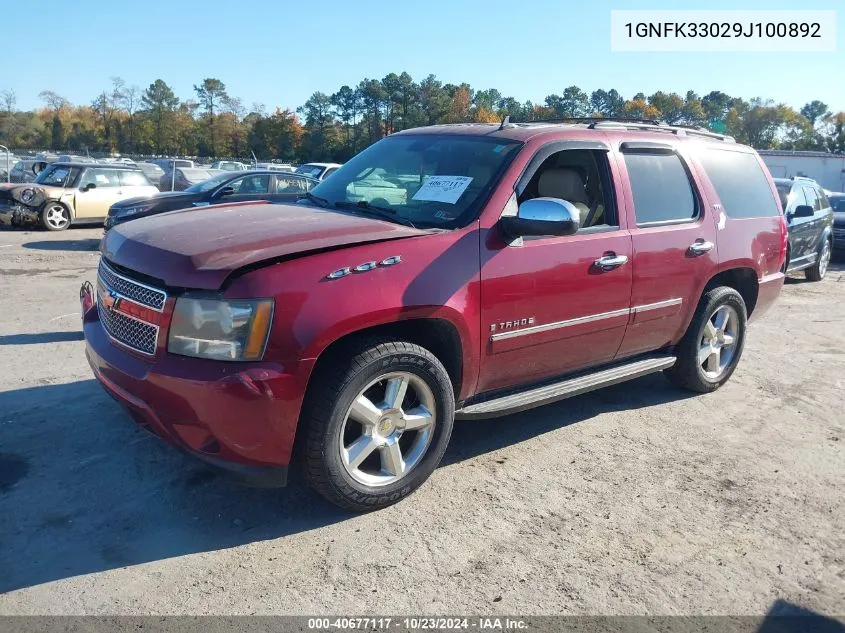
(817, 271)
(55, 217)
(711, 348)
(376, 424)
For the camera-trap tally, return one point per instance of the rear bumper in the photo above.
(768, 290)
(237, 417)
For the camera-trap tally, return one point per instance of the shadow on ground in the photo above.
(83, 244)
(39, 337)
(83, 490)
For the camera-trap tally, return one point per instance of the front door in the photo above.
(674, 244)
(547, 306)
(254, 187)
(98, 189)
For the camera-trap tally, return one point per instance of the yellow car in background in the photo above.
(71, 193)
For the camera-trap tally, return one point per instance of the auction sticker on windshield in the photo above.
(442, 189)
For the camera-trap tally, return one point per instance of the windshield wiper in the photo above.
(382, 212)
(322, 202)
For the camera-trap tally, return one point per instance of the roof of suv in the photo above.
(122, 166)
(532, 129)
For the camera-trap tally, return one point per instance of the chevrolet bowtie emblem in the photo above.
(110, 300)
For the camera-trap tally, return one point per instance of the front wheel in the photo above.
(376, 424)
(711, 348)
(817, 271)
(55, 217)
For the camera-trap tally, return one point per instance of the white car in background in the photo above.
(319, 171)
(228, 165)
(275, 167)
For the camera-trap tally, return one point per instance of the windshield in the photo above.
(433, 181)
(208, 185)
(58, 176)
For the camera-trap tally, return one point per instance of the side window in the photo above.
(101, 177)
(329, 172)
(824, 203)
(581, 177)
(740, 182)
(251, 185)
(291, 184)
(661, 188)
(133, 179)
(812, 198)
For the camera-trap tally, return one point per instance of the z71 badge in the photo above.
(509, 325)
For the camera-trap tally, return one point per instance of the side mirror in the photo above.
(543, 216)
(803, 211)
(38, 167)
(89, 186)
(225, 191)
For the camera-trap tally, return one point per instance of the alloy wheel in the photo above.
(387, 429)
(717, 346)
(824, 259)
(57, 216)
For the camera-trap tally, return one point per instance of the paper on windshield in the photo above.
(442, 189)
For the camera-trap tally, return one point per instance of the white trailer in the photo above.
(826, 169)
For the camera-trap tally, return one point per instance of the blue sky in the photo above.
(279, 52)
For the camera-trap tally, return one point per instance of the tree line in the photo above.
(127, 120)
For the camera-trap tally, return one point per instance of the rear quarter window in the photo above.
(740, 183)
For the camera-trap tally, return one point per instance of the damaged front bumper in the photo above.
(16, 214)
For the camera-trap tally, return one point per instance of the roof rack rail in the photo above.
(639, 124)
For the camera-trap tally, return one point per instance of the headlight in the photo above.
(27, 195)
(220, 330)
(133, 210)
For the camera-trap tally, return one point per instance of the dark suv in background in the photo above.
(837, 203)
(809, 219)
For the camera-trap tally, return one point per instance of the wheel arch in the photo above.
(439, 336)
(742, 279)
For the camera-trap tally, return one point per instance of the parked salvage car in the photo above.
(837, 203)
(227, 187)
(70, 193)
(810, 221)
(22, 171)
(526, 263)
(185, 177)
(228, 165)
(275, 167)
(320, 171)
(152, 171)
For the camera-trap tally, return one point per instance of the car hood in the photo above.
(169, 195)
(199, 248)
(14, 190)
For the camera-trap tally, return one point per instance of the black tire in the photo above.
(817, 271)
(687, 372)
(50, 206)
(331, 393)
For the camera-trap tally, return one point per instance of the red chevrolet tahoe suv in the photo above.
(454, 271)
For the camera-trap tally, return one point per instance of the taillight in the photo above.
(784, 242)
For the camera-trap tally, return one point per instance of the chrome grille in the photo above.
(136, 334)
(145, 295)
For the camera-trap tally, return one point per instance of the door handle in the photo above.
(699, 247)
(609, 262)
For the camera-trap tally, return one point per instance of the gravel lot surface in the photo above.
(639, 499)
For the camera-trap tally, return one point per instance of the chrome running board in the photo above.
(546, 394)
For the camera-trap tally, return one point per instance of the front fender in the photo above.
(437, 278)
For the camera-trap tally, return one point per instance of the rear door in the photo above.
(674, 243)
(288, 187)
